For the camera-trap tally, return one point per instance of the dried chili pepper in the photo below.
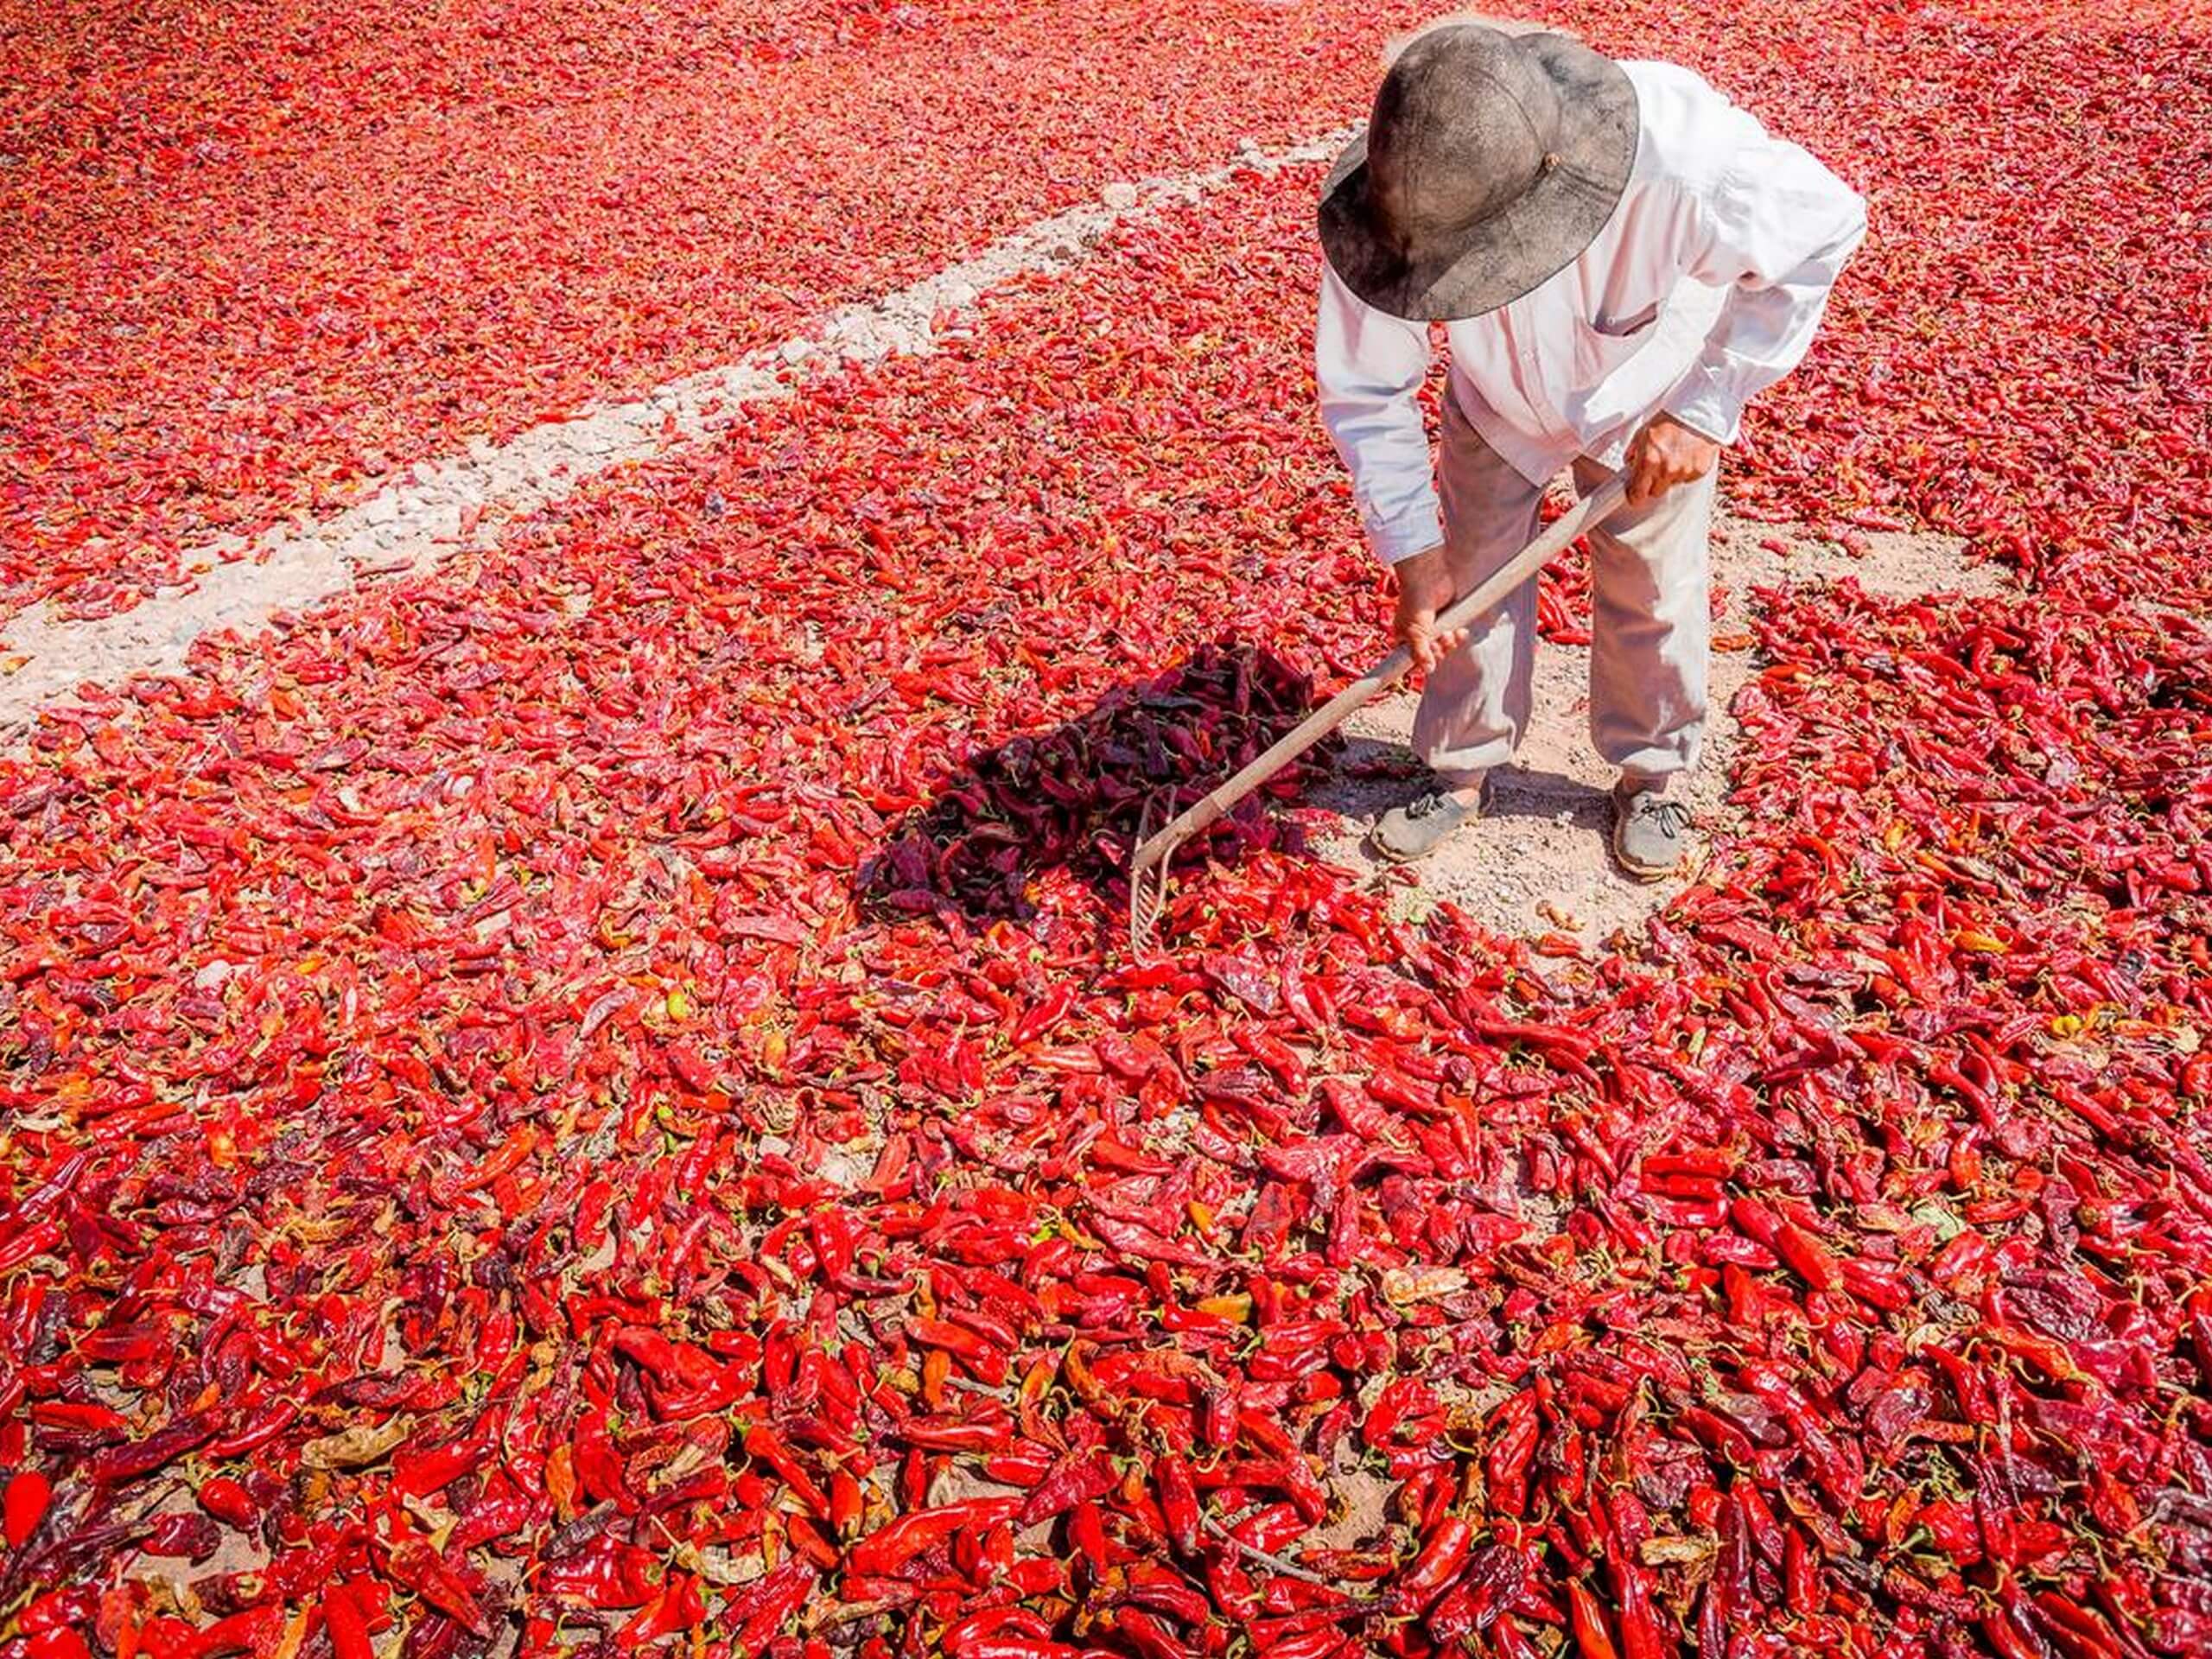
(489, 967)
(29, 1495)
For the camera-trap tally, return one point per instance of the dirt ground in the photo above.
(1540, 862)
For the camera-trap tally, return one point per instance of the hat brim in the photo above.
(1536, 236)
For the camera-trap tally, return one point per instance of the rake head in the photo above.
(1148, 871)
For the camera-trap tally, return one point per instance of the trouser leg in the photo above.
(1649, 626)
(1476, 703)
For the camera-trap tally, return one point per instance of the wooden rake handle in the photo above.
(1592, 509)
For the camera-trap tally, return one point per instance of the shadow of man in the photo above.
(1071, 797)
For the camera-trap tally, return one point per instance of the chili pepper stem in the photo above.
(1289, 1569)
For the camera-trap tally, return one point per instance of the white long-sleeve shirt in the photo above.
(1704, 288)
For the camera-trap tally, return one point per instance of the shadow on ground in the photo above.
(1072, 798)
(1373, 774)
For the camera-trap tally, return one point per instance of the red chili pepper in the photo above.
(253, 1632)
(1508, 1461)
(1078, 1476)
(29, 1495)
(678, 1606)
(963, 1635)
(58, 1609)
(1179, 1502)
(342, 1619)
(763, 1443)
(1592, 1638)
(414, 1564)
(182, 1534)
(1087, 1532)
(35, 1240)
(265, 1424)
(1146, 1636)
(79, 1414)
(886, 1550)
(1044, 1015)
(157, 1451)
(1441, 1557)
(426, 1471)
(228, 1502)
(779, 1599)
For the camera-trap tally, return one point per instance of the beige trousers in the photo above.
(1649, 628)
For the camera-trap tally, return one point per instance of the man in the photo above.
(1623, 258)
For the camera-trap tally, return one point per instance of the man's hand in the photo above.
(1665, 454)
(1424, 588)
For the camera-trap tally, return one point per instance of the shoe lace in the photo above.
(1670, 815)
(1439, 800)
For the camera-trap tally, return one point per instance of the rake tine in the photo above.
(1148, 879)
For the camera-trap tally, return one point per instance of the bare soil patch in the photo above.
(1541, 863)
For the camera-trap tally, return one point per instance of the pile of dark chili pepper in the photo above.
(1077, 797)
(482, 1174)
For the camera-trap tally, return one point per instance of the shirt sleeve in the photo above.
(1369, 367)
(1776, 232)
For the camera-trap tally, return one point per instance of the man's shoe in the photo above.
(1417, 828)
(1651, 834)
